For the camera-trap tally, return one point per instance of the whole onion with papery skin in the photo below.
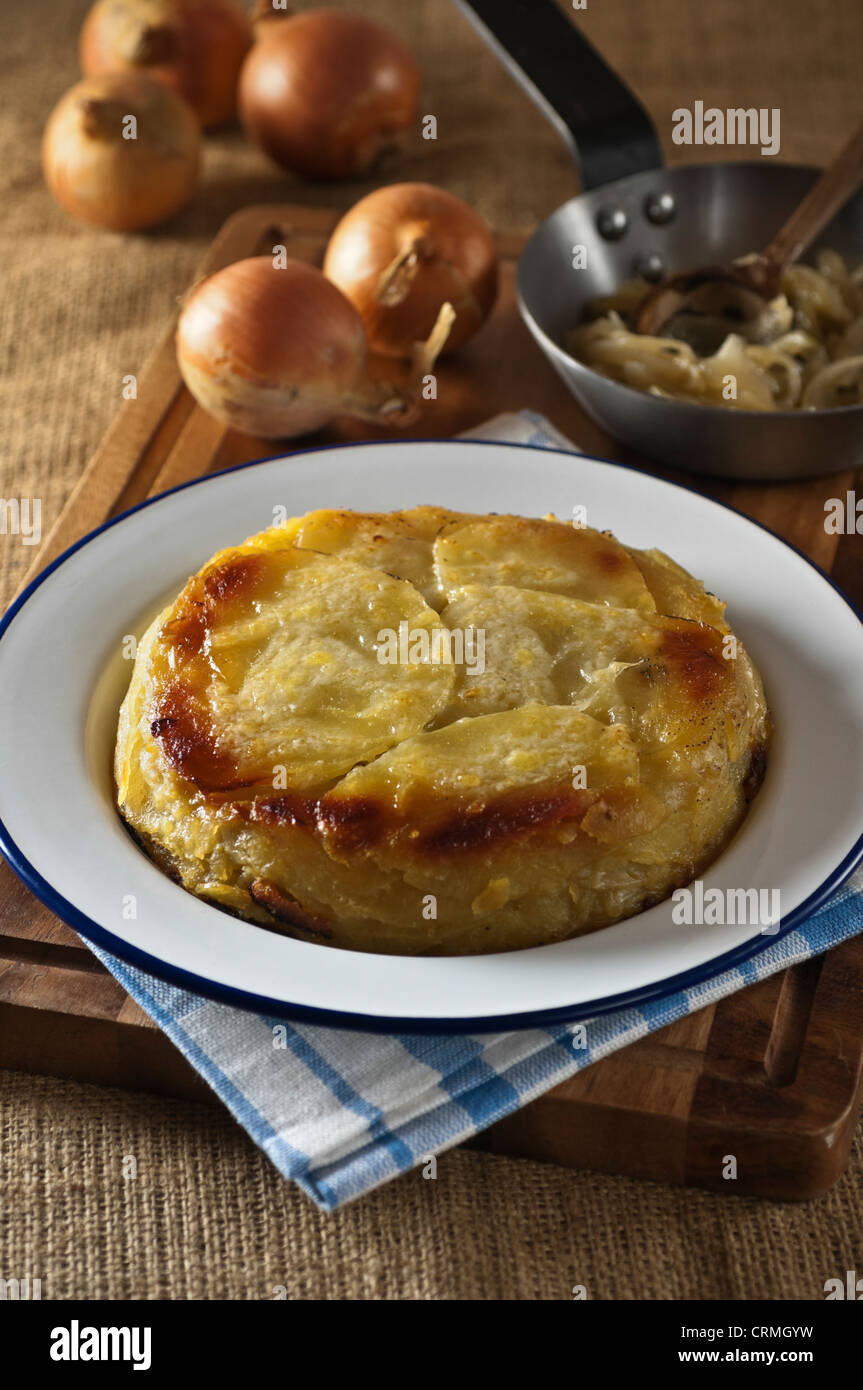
(277, 351)
(324, 92)
(121, 152)
(195, 47)
(403, 251)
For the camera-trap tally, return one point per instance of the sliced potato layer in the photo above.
(429, 732)
(268, 671)
(546, 555)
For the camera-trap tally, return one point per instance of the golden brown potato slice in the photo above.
(676, 592)
(478, 781)
(268, 667)
(538, 646)
(531, 554)
(400, 543)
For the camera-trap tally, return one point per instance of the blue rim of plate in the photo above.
(371, 1023)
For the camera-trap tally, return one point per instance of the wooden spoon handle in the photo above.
(835, 186)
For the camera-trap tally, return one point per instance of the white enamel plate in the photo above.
(62, 676)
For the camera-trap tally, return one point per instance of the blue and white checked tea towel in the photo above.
(341, 1112)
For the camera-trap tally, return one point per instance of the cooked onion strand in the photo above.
(802, 351)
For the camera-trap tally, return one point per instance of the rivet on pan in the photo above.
(660, 208)
(611, 223)
(649, 265)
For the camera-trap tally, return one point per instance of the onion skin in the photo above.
(271, 352)
(323, 92)
(195, 47)
(456, 260)
(105, 180)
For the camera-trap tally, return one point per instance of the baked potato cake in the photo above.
(427, 732)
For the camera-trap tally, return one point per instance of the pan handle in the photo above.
(607, 130)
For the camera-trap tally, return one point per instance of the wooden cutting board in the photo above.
(772, 1076)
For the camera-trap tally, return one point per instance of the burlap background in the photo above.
(207, 1217)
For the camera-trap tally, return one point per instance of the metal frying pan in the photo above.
(636, 216)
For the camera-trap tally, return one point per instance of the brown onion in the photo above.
(195, 47)
(403, 251)
(324, 92)
(277, 351)
(101, 175)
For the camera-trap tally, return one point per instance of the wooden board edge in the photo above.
(794, 1140)
(97, 1052)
